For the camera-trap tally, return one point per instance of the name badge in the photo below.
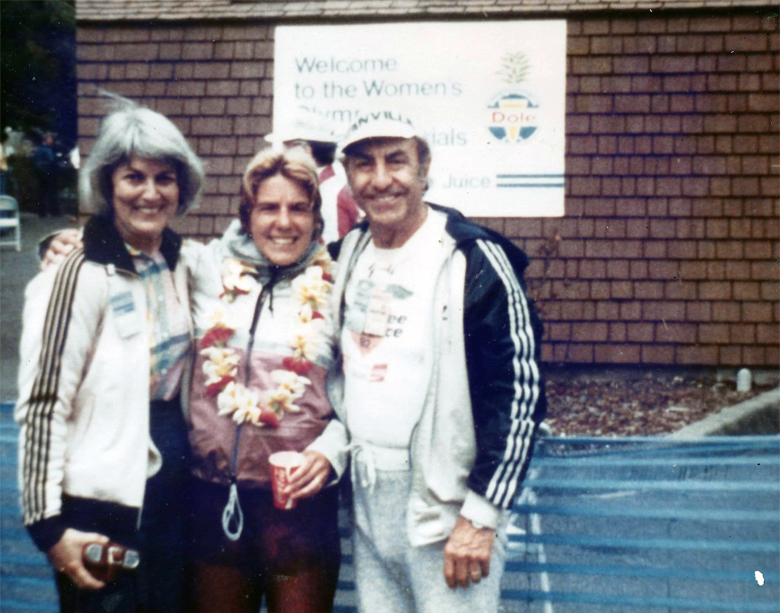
(126, 316)
(378, 314)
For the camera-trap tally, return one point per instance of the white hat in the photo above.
(305, 125)
(378, 124)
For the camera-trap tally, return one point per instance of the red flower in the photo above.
(215, 336)
(215, 388)
(299, 366)
(269, 418)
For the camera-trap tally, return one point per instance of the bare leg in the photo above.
(225, 590)
(309, 591)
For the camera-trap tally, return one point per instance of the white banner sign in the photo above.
(488, 96)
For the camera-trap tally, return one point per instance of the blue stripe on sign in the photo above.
(642, 601)
(637, 572)
(646, 513)
(556, 176)
(529, 185)
(672, 486)
(637, 543)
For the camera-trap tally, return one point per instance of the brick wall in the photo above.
(668, 253)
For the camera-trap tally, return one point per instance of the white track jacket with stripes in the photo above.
(471, 448)
(83, 381)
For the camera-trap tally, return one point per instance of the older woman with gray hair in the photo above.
(106, 337)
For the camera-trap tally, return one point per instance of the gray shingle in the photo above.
(187, 10)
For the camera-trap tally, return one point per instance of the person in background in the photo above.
(438, 384)
(103, 450)
(3, 171)
(46, 168)
(316, 135)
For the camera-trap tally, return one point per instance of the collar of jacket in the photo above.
(104, 245)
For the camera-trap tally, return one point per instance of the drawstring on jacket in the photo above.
(232, 514)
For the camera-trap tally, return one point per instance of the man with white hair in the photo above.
(438, 385)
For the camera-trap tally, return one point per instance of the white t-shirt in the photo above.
(387, 338)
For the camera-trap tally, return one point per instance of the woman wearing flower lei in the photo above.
(260, 300)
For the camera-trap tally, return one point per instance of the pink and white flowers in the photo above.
(311, 289)
(237, 278)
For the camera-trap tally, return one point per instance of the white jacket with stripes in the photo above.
(83, 381)
(472, 445)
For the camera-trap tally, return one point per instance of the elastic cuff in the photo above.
(338, 462)
(47, 532)
(477, 509)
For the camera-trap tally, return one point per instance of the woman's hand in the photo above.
(61, 245)
(66, 557)
(311, 477)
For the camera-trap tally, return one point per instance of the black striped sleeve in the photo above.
(43, 397)
(504, 377)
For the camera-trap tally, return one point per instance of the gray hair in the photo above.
(132, 130)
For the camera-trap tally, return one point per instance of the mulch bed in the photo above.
(635, 404)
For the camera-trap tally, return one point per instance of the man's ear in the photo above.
(423, 174)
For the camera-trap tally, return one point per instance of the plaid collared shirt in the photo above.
(169, 337)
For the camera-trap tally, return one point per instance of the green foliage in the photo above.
(38, 50)
(515, 67)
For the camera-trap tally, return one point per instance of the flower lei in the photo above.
(311, 289)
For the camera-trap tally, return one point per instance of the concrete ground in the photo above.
(16, 270)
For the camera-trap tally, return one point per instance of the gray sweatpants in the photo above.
(392, 576)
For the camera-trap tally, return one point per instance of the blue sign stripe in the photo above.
(560, 176)
(530, 185)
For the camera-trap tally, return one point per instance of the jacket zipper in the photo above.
(267, 290)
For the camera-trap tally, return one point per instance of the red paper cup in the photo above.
(283, 465)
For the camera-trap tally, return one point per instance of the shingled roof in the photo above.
(188, 10)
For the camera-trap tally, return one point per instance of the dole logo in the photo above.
(513, 117)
